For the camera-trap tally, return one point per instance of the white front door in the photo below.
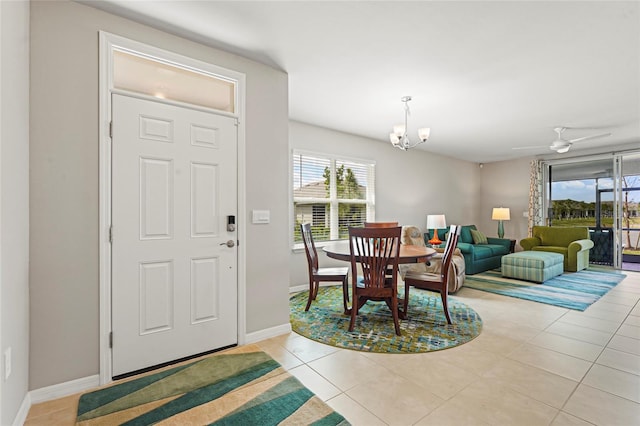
(174, 278)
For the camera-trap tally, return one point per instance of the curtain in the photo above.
(535, 195)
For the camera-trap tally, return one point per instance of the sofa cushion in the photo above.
(498, 250)
(482, 251)
(478, 237)
(554, 249)
(465, 234)
(560, 236)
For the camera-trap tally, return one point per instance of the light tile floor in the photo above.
(533, 364)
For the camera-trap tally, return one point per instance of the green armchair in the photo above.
(572, 242)
(477, 257)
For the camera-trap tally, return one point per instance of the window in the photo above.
(332, 194)
(140, 74)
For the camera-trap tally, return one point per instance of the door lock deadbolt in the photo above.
(231, 223)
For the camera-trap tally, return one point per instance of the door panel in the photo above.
(174, 280)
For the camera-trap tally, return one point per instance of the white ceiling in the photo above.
(484, 76)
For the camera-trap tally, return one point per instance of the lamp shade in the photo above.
(399, 130)
(436, 221)
(501, 213)
(424, 133)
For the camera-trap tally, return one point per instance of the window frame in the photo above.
(333, 201)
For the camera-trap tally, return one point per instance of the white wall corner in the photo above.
(21, 415)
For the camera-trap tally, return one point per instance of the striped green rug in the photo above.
(573, 290)
(243, 386)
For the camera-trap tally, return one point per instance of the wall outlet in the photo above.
(7, 363)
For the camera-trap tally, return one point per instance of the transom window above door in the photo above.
(139, 74)
(332, 194)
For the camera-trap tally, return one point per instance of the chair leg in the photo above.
(345, 296)
(354, 311)
(311, 295)
(316, 287)
(443, 296)
(394, 312)
(405, 304)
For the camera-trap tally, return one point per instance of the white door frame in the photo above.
(109, 43)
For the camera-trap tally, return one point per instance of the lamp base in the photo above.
(500, 229)
(435, 241)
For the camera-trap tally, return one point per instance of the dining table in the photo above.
(408, 253)
(340, 250)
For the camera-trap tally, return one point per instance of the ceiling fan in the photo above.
(561, 145)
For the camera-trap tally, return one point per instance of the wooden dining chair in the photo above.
(373, 249)
(318, 275)
(434, 281)
(380, 224)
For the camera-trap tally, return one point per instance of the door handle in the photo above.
(229, 243)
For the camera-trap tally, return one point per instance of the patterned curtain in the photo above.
(535, 195)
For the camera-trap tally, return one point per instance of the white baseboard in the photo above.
(23, 412)
(267, 333)
(53, 392)
(305, 287)
(301, 287)
(63, 389)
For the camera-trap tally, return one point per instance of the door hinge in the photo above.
(111, 234)
(111, 339)
(111, 129)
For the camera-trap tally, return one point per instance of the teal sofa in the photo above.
(477, 257)
(572, 242)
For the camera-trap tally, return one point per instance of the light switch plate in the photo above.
(261, 216)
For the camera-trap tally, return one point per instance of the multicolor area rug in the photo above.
(573, 290)
(243, 386)
(425, 330)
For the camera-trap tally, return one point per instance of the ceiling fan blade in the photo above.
(529, 147)
(589, 137)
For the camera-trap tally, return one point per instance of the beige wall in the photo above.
(64, 184)
(505, 184)
(14, 207)
(409, 185)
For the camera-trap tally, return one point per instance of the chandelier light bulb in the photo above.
(424, 133)
(399, 130)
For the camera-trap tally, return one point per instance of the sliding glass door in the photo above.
(629, 200)
(601, 193)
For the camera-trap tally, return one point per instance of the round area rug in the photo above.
(425, 330)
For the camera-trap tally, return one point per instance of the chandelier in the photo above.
(399, 137)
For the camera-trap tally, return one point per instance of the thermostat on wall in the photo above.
(261, 216)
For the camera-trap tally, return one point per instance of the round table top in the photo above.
(408, 253)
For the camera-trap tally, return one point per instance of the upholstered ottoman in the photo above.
(537, 266)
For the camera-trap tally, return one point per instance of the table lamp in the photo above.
(435, 222)
(500, 214)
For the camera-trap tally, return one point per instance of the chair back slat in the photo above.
(452, 243)
(309, 247)
(373, 249)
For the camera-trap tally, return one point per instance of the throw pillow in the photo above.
(478, 237)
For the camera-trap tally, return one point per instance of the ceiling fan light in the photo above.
(394, 138)
(563, 149)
